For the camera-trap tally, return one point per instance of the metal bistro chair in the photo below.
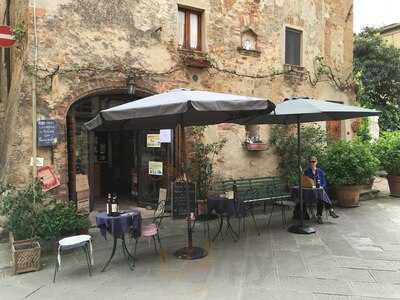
(152, 230)
(75, 242)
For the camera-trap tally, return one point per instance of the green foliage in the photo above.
(22, 208)
(376, 71)
(387, 150)
(350, 163)
(363, 133)
(60, 220)
(32, 213)
(201, 166)
(284, 138)
(19, 32)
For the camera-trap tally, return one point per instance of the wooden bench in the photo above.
(250, 192)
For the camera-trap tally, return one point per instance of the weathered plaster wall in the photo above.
(94, 43)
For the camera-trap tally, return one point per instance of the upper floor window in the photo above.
(293, 47)
(189, 31)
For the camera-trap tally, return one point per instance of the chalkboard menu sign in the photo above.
(47, 132)
(179, 204)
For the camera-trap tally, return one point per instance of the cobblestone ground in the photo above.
(354, 257)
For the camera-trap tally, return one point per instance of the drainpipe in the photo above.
(34, 105)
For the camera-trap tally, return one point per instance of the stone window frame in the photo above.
(200, 14)
(298, 29)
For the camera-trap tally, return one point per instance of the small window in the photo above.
(189, 31)
(293, 47)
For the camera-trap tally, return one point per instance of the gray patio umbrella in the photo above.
(305, 110)
(185, 108)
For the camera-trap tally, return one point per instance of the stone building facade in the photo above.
(391, 33)
(86, 49)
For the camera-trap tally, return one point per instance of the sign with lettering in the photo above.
(47, 132)
(155, 168)
(180, 200)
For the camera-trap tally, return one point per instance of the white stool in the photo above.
(74, 242)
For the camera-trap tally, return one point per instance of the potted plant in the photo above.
(348, 166)
(387, 150)
(60, 220)
(21, 207)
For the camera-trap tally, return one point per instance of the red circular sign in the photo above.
(6, 36)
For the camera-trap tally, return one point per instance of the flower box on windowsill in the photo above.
(255, 146)
(195, 59)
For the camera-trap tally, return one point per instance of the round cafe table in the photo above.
(118, 226)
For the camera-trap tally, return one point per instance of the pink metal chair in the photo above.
(152, 230)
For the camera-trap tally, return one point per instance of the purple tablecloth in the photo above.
(130, 222)
(311, 195)
(221, 205)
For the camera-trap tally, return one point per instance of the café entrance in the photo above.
(133, 164)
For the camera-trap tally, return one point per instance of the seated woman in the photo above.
(318, 175)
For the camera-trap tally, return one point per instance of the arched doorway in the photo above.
(113, 162)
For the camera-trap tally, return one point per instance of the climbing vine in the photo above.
(321, 72)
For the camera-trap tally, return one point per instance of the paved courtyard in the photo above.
(354, 257)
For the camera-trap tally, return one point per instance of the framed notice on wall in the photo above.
(155, 168)
(153, 140)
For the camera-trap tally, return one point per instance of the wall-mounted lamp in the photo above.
(130, 84)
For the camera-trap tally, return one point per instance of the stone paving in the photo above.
(354, 257)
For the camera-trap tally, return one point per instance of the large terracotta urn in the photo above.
(348, 195)
(394, 185)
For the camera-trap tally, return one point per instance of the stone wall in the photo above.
(86, 46)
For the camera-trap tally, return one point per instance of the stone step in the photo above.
(370, 194)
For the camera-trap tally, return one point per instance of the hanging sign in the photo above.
(6, 37)
(155, 168)
(48, 178)
(165, 135)
(153, 140)
(47, 132)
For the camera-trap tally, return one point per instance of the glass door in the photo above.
(155, 165)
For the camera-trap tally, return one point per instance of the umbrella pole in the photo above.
(300, 228)
(188, 252)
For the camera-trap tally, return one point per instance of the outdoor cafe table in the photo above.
(118, 226)
(225, 208)
(311, 196)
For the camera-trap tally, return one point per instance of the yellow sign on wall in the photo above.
(153, 140)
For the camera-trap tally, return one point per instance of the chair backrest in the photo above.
(160, 210)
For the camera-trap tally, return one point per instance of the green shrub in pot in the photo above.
(350, 163)
(22, 208)
(61, 220)
(387, 150)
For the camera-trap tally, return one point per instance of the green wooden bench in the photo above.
(249, 192)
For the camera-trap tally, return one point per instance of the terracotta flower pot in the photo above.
(348, 195)
(394, 185)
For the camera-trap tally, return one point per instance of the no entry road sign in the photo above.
(6, 36)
